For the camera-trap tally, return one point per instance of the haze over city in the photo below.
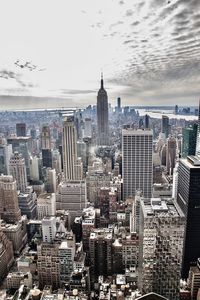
(148, 51)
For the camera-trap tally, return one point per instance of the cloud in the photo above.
(77, 92)
(5, 74)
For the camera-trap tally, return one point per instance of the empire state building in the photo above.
(102, 116)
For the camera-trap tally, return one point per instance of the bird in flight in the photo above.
(28, 65)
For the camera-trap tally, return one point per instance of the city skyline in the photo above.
(148, 51)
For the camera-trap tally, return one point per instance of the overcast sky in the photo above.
(149, 51)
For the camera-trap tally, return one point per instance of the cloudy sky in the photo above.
(149, 51)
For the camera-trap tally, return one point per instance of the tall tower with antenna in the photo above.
(102, 116)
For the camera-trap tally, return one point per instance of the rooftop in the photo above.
(160, 208)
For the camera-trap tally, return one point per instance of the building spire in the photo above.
(102, 80)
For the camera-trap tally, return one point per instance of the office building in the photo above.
(146, 122)
(18, 171)
(171, 153)
(102, 116)
(46, 137)
(189, 140)
(46, 205)
(165, 126)
(194, 280)
(47, 158)
(87, 128)
(22, 145)
(100, 249)
(6, 254)
(27, 202)
(21, 129)
(137, 164)
(48, 229)
(119, 103)
(188, 198)
(161, 237)
(51, 180)
(34, 168)
(48, 265)
(16, 233)
(71, 196)
(69, 148)
(9, 207)
(66, 256)
(5, 155)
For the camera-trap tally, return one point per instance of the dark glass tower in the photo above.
(165, 126)
(189, 140)
(188, 198)
(102, 116)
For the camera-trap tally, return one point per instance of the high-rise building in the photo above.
(46, 147)
(146, 121)
(34, 168)
(48, 229)
(176, 110)
(194, 280)
(165, 126)
(198, 135)
(137, 162)
(69, 148)
(6, 254)
(46, 137)
(189, 140)
(23, 145)
(47, 158)
(188, 198)
(119, 103)
(48, 265)
(161, 237)
(21, 129)
(88, 127)
(71, 196)
(18, 171)
(100, 246)
(9, 208)
(5, 154)
(66, 259)
(27, 202)
(102, 116)
(171, 154)
(46, 205)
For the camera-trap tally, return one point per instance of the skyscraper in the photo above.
(189, 140)
(69, 148)
(188, 198)
(88, 127)
(102, 116)
(161, 241)
(9, 208)
(137, 165)
(119, 103)
(198, 135)
(5, 154)
(146, 121)
(165, 126)
(46, 137)
(46, 147)
(171, 155)
(18, 171)
(21, 129)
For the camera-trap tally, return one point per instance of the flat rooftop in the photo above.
(160, 208)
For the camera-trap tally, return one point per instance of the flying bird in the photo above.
(28, 65)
